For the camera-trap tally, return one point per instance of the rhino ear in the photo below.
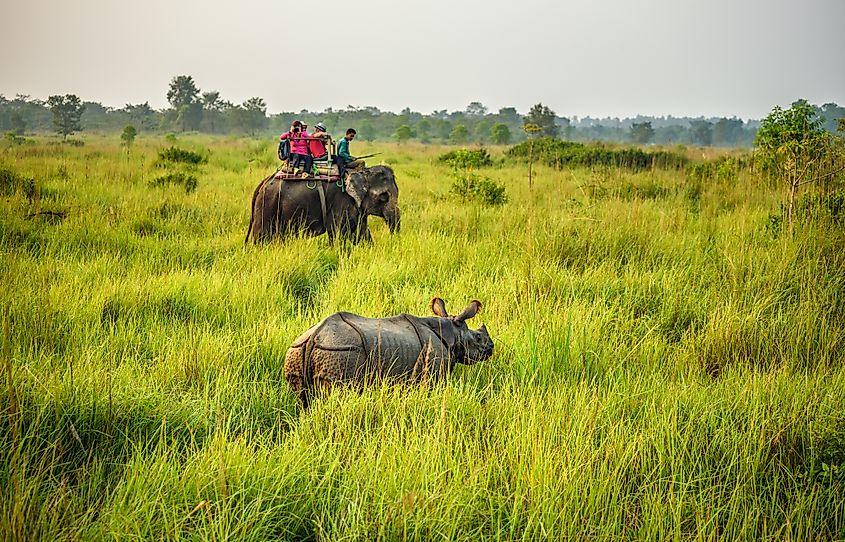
(356, 186)
(470, 311)
(438, 307)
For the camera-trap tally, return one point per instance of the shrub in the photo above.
(819, 207)
(14, 139)
(181, 156)
(472, 187)
(189, 182)
(467, 158)
(557, 153)
(11, 182)
(723, 169)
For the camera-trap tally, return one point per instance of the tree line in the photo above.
(192, 109)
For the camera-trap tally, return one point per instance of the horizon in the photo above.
(491, 111)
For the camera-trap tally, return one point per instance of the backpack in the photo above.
(284, 149)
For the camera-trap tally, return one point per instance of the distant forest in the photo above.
(192, 110)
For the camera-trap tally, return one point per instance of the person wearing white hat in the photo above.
(317, 143)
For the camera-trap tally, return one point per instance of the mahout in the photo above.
(346, 348)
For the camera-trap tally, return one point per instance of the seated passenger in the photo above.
(317, 145)
(299, 158)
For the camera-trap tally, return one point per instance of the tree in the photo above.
(793, 145)
(727, 132)
(127, 138)
(254, 115)
(18, 124)
(458, 135)
(183, 91)
(567, 128)
(212, 105)
(141, 115)
(366, 132)
(67, 113)
(831, 113)
(542, 116)
(532, 131)
(403, 133)
(444, 129)
(476, 109)
(183, 96)
(189, 116)
(642, 132)
(500, 134)
(701, 132)
(423, 127)
(482, 130)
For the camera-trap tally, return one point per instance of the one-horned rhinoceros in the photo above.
(352, 349)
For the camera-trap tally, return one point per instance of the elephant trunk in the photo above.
(392, 218)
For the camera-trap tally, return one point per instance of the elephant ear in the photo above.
(438, 307)
(356, 186)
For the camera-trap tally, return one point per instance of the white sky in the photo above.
(588, 57)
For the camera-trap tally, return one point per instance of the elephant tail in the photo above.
(252, 205)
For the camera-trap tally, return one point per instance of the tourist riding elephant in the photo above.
(287, 206)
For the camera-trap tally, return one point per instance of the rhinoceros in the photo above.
(355, 350)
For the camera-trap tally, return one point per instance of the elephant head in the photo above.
(375, 193)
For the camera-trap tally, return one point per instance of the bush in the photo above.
(11, 182)
(819, 207)
(14, 139)
(557, 153)
(181, 156)
(178, 178)
(472, 187)
(725, 168)
(467, 158)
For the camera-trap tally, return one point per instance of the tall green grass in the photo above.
(666, 365)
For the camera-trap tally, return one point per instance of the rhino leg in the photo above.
(294, 374)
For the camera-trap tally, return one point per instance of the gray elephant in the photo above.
(352, 349)
(287, 206)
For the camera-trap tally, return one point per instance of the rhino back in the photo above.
(399, 346)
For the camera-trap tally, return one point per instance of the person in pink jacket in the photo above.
(298, 144)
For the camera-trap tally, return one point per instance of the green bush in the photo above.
(181, 156)
(14, 139)
(467, 158)
(557, 153)
(472, 187)
(723, 169)
(11, 182)
(819, 207)
(189, 182)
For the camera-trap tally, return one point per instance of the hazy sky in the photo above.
(588, 57)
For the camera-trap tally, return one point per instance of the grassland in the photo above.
(669, 362)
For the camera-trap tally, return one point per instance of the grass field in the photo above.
(668, 364)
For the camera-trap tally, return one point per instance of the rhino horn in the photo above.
(471, 310)
(438, 307)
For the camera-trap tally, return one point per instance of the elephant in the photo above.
(287, 206)
(345, 348)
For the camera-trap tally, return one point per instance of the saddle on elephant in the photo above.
(320, 171)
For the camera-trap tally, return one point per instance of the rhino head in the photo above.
(466, 345)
